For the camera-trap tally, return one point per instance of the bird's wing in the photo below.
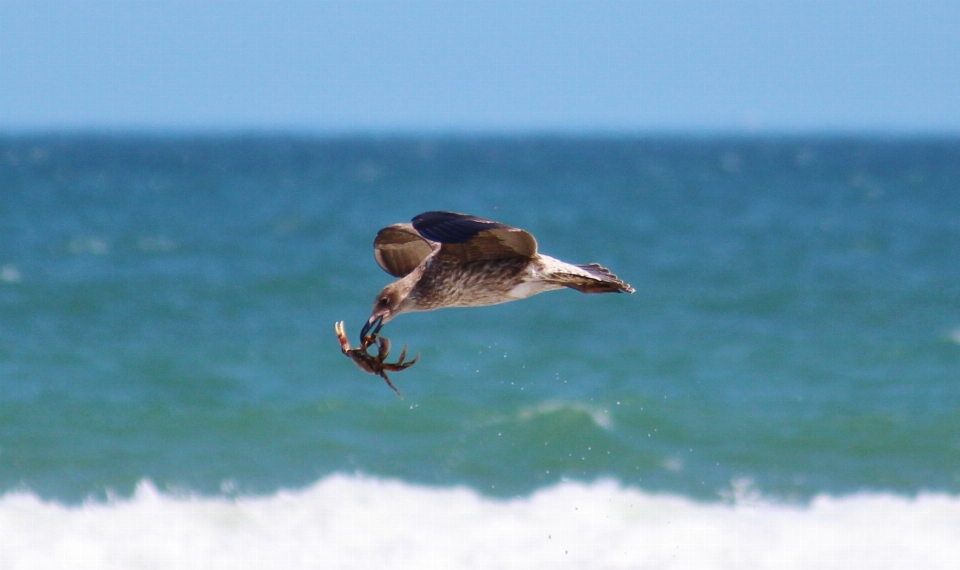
(399, 249)
(468, 238)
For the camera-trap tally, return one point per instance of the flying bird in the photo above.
(444, 259)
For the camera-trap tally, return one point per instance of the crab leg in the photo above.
(383, 375)
(400, 364)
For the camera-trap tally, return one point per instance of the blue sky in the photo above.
(481, 66)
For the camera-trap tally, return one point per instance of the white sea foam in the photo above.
(362, 522)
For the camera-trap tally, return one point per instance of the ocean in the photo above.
(782, 390)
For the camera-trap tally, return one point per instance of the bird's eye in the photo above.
(383, 301)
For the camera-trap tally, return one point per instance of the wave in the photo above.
(955, 335)
(355, 521)
(600, 416)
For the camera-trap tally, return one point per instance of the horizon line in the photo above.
(452, 133)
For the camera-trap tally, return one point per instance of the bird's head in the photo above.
(389, 303)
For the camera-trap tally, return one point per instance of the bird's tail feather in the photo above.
(594, 278)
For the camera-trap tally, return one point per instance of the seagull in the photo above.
(445, 259)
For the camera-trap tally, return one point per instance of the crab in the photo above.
(370, 363)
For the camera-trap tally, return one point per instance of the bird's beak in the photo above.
(375, 323)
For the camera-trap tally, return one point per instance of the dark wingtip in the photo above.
(451, 227)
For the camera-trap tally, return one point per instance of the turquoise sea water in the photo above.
(167, 308)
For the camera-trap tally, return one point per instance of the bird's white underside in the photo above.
(523, 290)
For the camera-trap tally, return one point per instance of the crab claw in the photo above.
(383, 348)
(342, 337)
(375, 323)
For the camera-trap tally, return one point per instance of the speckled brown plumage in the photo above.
(444, 259)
